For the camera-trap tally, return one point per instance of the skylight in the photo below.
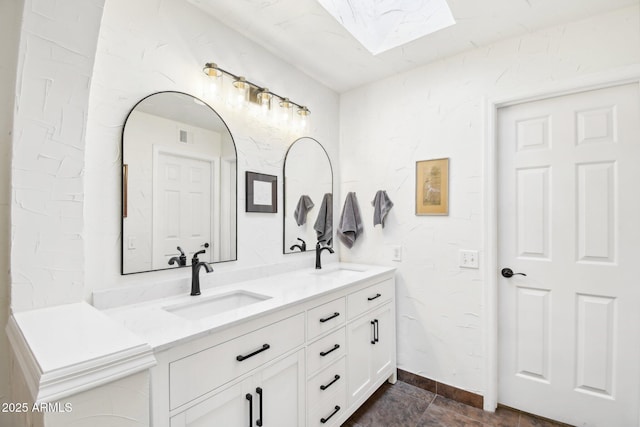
(380, 25)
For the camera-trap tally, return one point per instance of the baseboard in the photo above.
(444, 390)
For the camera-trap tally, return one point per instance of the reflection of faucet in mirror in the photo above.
(302, 246)
(181, 260)
(195, 272)
(319, 249)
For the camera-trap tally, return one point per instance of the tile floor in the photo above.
(404, 405)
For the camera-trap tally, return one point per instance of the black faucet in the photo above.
(181, 260)
(195, 272)
(302, 246)
(319, 249)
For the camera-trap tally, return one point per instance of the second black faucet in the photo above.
(319, 249)
(195, 272)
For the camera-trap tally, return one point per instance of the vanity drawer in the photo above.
(326, 351)
(368, 298)
(208, 369)
(330, 381)
(329, 411)
(325, 317)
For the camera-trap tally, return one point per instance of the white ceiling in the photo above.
(304, 34)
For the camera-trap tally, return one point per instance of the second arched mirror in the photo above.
(308, 196)
(179, 184)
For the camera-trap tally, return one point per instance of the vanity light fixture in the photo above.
(257, 94)
(303, 111)
(211, 69)
(264, 96)
(241, 83)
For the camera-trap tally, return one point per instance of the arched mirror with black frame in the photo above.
(308, 196)
(179, 184)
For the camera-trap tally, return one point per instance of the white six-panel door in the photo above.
(569, 218)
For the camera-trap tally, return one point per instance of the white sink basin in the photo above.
(340, 271)
(200, 308)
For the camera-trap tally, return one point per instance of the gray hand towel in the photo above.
(350, 226)
(304, 206)
(381, 207)
(324, 222)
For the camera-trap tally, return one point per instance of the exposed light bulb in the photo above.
(285, 109)
(240, 92)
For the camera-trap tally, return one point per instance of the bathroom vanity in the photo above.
(305, 348)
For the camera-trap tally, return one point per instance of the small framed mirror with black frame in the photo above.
(262, 192)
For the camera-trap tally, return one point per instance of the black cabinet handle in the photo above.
(373, 330)
(376, 331)
(333, 316)
(324, 387)
(250, 399)
(241, 357)
(259, 420)
(372, 298)
(335, 411)
(335, 347)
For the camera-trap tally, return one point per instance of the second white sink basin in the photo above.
(200, 308)
(340, 271)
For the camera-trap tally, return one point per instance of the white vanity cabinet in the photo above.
(237, 377)
(308, 363)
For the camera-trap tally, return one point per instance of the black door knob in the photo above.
(507, 272)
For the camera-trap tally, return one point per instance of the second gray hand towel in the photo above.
(324, 222)
(381, 207)
(304, 205)
(350, 226)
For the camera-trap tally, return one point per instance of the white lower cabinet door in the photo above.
(272, 397)
(370, 341)
(229, 407)
(279, 393)
(384, 349)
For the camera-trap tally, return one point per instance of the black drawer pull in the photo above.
(324, 353)
(335, 411)
(376, 336)
(373, 330)
(240, 358)
(250, 399)
(259, 420)
(372, 298)
(324, 387)
(333, 316)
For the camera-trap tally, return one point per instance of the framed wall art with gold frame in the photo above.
(432, 187)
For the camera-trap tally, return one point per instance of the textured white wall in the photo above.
(149, 46)
(55, 64)
(10, 15)
(437, 111)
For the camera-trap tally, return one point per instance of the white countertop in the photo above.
(70, 348)
(162, 329)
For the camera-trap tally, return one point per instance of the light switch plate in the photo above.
(396, 253)
(468, 258)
